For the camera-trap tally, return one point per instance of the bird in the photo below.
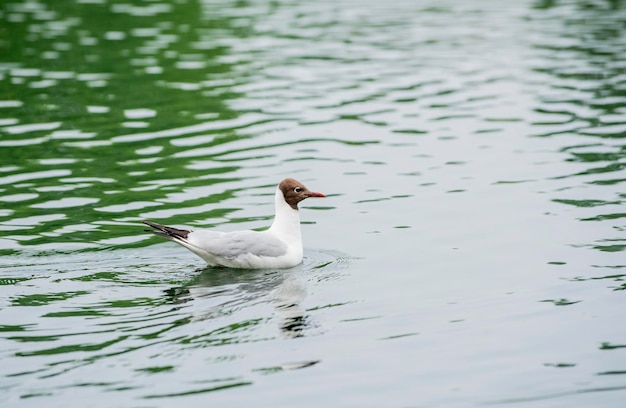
(278, 247)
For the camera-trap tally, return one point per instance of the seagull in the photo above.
(280, 246)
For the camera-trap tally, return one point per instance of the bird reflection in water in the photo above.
(287, 299)
(220, 292)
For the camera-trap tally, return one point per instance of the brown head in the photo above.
(294, 192)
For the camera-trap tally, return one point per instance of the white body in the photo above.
(278, 247)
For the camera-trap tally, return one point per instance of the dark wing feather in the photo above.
(167, 232)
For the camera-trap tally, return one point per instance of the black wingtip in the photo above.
(167, 232)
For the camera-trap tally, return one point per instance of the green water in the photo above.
(470, 250)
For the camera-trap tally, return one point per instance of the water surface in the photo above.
(470, 251)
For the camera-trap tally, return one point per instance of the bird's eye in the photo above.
(297, 189)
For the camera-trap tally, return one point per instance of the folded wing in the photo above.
(230, 245)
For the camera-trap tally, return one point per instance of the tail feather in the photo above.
(167, 232)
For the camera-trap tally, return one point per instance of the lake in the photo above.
(470, 251)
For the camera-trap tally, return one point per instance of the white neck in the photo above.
(286, 223)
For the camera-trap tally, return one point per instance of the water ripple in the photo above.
(468, 149)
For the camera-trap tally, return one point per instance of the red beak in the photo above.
(314, 194)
